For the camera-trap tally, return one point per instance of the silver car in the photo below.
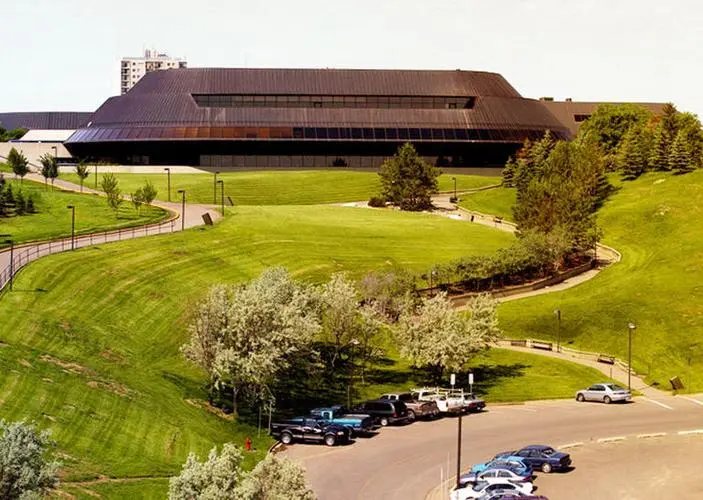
(605, 393)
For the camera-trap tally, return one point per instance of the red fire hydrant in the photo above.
(247, 444)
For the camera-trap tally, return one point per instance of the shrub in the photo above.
(377, 201)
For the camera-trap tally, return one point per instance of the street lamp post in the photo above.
(454, 179)
(12, 258)
(72, 208)
(168, 174)
(182, 192)
(557, 313)
(214, 189)
(630, 328)
(688, 375)
(96, 176)
(458, 452)
(222, 195)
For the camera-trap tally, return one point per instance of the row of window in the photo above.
(305, 133)
(330, 101)
(581, 117)
(295, 161)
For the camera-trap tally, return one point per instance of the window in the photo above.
(309, 133)
(581, 117)
(321, 133)
(414, 133)
(403, 133)
(391, 133)
(356, 133)
(380, 133)
(333, 133)
(437, 134)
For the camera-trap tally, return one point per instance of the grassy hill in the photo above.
(497, 201)
(656, 222)
(277, 187)
(54, 219)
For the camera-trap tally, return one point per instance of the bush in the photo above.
(377, 201)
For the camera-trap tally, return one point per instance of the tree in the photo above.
(339, 314)
(215, 479)
(149, 193)
(659, 153)
(389, 293)
(18, 163)
(439, 337)
(245, 335)
(110, 186)
(49, 167)
(137, 199)
(680, 160)
(509, 172)
(275, 479)
(82, 172)
(690, 127)
(25, 470)
(408, 181)
(633, 155)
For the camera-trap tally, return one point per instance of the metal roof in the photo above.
(566, 111)
(45, 120)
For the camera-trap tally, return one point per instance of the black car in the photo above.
(309, 429)
(541, 457)
(385, 411)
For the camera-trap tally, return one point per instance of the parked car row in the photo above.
(510, 474)
(335, 424)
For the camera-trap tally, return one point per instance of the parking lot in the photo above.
(408, 462)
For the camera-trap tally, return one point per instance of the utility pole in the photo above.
(630, 328)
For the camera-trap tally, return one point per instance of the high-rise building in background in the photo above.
(132, 69)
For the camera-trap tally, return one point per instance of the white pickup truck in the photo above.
(447, 403)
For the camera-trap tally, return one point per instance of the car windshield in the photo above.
(615, 387)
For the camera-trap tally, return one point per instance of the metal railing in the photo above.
(23, 254)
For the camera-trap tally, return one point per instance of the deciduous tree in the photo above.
(275, 479)
(216, 478)
(18, 163)
(82, 172)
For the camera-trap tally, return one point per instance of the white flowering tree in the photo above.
(437, 336)
(25, 471)
(275, 479)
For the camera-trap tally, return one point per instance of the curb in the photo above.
(651, 435)
(611, 439)
(694, 431)
(274, 447)
(570, 445)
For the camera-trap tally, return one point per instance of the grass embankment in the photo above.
(53, 219)
(498, 201)
(92, 337)
(277, 187)
(655, 222)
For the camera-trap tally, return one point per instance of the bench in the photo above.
(604, 358)
(518, 343)
(546, 346)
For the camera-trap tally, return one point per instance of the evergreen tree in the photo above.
(20, 203)
(509, 172)
(690, 127)
(408, 181)
(659, 153)
(680, 160)
(669, 124)
(31, 205)
(632, 155)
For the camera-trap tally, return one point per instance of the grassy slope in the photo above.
(119, 313)
(54, 219)
(498, 201)
(279, 187)
(655, 222)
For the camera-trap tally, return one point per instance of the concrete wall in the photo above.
(33, 150)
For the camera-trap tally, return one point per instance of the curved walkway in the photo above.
(26, 253)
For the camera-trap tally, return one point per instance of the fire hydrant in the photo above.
(247, 444)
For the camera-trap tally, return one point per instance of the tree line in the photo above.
(15, 203)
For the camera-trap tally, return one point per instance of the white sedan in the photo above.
(479, 489)
(606, 393)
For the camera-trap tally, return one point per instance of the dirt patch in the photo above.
(112, 387)
(208, 407)
(48, 380)
(25, 363)
(3, 344)
(112, 356)
(67, 367)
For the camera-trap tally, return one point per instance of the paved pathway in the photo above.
(23, 254)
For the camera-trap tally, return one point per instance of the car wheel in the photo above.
(384, 421)
(546, 468)
(607, 400)
(330, 440)
(580, 398)
(411, 415)
(286, 438)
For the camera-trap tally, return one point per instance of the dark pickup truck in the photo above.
(309, 429)
(336, 414)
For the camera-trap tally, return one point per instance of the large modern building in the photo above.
(132, 69)
(313, 118)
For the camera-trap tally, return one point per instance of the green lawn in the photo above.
(142, 489)
(111, 320)
(500, 375)
(54, 219)
(498, 201)
(277, 187)
(656, 223)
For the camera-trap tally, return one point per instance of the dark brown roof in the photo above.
(164, 98)
(45, 120)
(565, 111)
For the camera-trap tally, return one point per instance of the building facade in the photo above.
(132, 69)
(313, 118)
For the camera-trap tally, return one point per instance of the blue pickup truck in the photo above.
(337, 414)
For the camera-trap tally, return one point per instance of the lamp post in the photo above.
(96, 176)
(214, 189)
(630, 328)
(12, 258)
(458, 452)
(72, 208)
(688, 375)
(182, 192)
(222, 195)
(354, 343)
(454, 179)
(168, 174)
(557, 313)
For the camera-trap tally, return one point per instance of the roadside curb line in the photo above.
(570, 445)
(651, 435)
(694, 431)
(274, 447)
(611, 439)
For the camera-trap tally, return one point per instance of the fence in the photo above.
(21, 255)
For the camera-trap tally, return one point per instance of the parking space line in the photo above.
(659, 403)
(611, 439)
(694, 431)
(651, 435)
(570, 445)
(692, 400)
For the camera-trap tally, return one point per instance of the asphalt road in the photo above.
(408, 462)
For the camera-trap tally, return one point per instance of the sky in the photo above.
(63, 55)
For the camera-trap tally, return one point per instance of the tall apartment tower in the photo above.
(132, 69)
